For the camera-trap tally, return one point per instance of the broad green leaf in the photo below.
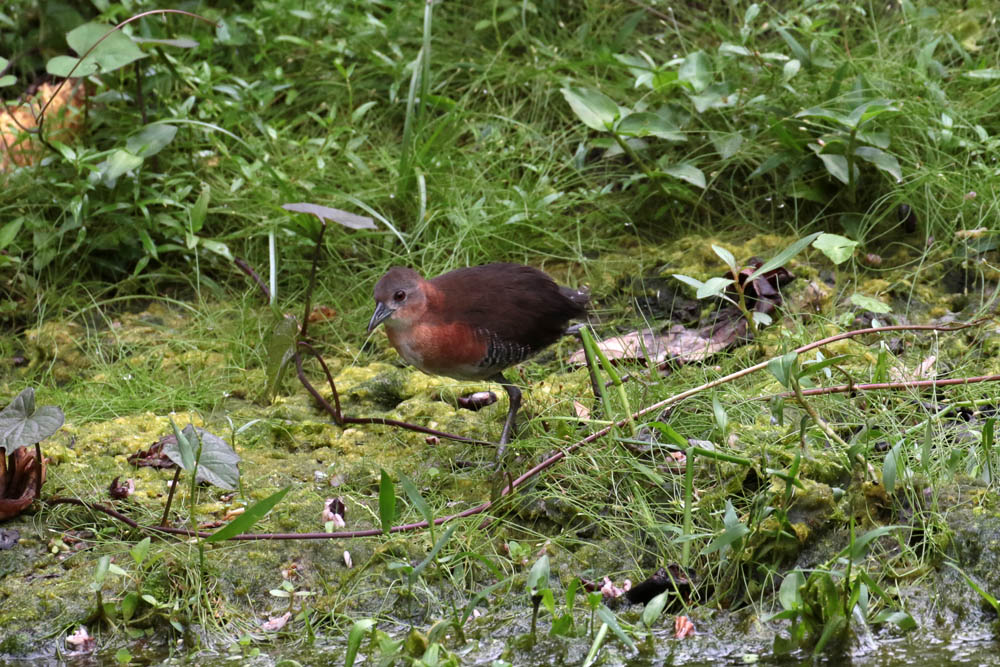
(217, 247)
(727, 144)
(244, 522)
(837, 248)
(217, 464)
(819, 113)
(151, 140)
(721, 418)
(654, 608)
(386, 502)
(783, 257)
(118, 163)
(836, 166)
(21, 424)
(713, 287)
(696, 69)
(646, 124)
(789, 594)
(411, 491)
(9, 232)
(864, 112)
(795, 47)
(870, 304)
(734, 49)
(884, 161)
(140, 551)
(782, 368)
(734, 531)
(688, 280)
(986, 74)
(725, 256)
(7, 80)
(538, 576)
(280, 350)
(900, 619)
(790, 69)
(129, 604)
(113, 52)
(686, 172)
(594, 108)
(357, 633)
(607, 616)
(200, 208)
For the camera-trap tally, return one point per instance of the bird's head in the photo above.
(399, 294)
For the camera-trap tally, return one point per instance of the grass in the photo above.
(473, 154)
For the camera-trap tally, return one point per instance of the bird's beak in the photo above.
(382, 313)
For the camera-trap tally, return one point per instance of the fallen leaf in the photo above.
(276, 623)
(64, 120)
(18, 481)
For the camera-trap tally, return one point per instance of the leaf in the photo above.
(734, 531)
(357, 633)
(891, 467)
(865, 112)
(140, 551)
(781, 368)
(653, 609)
(987, 74)
(608, 617)
(688, 280)
(725, 256)
(837, 248)
(217, 464)
(119, 163)
(113, 52)
(538, 576)
(696, 69)
(22, 425)
(200, 208)
(433, 552)
(217, 247)
(151, 140)
(280, 349)
(789, 594)
(686, 172)
(245, 521)
(782, 257)
(884, 161)
(726, 144)
(790, 69)
(823, 114)
(386, 502)
(870, 304)
(344, 218)
(795, 47)
(713, 287)
(410, 489)
(594, 108)
(646, 124)
(836, 166)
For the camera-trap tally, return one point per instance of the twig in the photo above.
(914, 384)
(245, 267)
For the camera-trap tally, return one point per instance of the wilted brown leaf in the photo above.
(64, 119)
(18, 482)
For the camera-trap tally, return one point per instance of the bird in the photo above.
(475, 322)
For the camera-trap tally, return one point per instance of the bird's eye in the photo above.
(399, 295)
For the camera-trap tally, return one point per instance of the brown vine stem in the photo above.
(547, 463)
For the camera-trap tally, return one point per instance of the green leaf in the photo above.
(244, 522)
(386, 502)
(696, 69)
(688, 280)
(870, 304)
(140, 551)
(837, 248)
(783, 257)
(721, 418)
(410, 489)
(217, 463)
(200, 208)
(538, 576)
(7, 80)
(836, 166)
(819, 113)
(357, 633)
(891, 467)
(113, 52)
(608, 617)
(795, 47)
(22, 425)
(151, 140)
(987, 74)
(217, 247)
(733, 532)
(782, 368)
(654, 608)
(118, 163)
(646, 124)
(726, 144)
(433, 552)
(790, 69)
(865, 112)
(900, 619)
(725, 256)
(280, 350)
(345, 218)
(686, 172)
(790, 594)
(713, 287)
(594, 108)
(884, 161)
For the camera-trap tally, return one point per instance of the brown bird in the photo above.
(472, 323)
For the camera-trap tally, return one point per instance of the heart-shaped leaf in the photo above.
(218, 462)
(22, 425)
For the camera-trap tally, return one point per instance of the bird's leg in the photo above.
(514, 398)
